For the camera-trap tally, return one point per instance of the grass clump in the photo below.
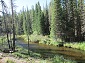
(23, 53)
(60, 59)
(10, 61)
(76, 45)
(39, 39)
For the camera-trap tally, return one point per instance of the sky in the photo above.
(26, 3)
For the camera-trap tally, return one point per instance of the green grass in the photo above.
(23, 53)
(10, 61)
(60, 59)
(76, 45)
(33, 38)
(3, 42)
(39, 39)
(2, 38)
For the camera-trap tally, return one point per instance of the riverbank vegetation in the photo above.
(80, 45)
(38, 39)
(46, 40)
(37, 56)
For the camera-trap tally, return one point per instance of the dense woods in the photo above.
(60, 20)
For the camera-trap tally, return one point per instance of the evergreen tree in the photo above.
(54, 20)
(43, 23)
(28, 23)
(24, 21)
(80, 19)
(21, 31)
(37, 19)
(32, 17)
(47, 32)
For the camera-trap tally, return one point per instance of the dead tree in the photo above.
(4, 12)
(12, 9)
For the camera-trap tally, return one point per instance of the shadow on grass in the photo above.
(43, 54)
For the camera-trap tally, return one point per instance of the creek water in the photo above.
(49, 51)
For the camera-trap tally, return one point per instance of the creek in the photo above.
(50, 51)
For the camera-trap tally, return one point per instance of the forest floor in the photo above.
(5, 59)
(8, 58)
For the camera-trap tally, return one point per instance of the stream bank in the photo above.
(50, 51)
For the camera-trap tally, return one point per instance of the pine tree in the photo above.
(33, 19)
(80, 19)
(37, 25)
(68, 19)
(21, 31)
(28, 23)
(43, 23)
(24, 21)
(39, 19)
(47, 32)
(54, 21)
(36, 20)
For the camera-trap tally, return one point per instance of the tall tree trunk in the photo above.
(13, 25)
